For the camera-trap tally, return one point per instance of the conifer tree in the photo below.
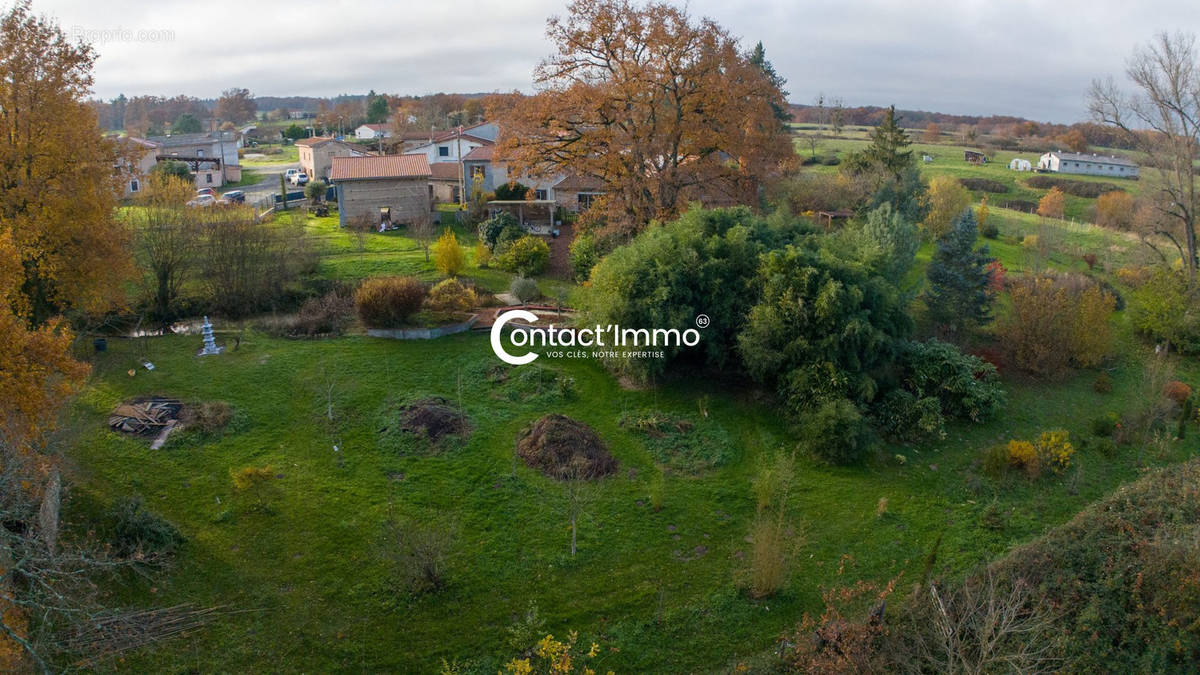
(889, 145)
(958, 297)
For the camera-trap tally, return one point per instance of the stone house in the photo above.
(316, 155)
(383, 191)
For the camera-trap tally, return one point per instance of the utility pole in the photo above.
(462, 194)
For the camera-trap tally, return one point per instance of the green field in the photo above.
(306, 583)
(948, 160)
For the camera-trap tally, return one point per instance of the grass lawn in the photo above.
(657, 589)
(288, 155)
(348, 255)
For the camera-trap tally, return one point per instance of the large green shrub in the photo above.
(836, 432)
(937, 382)
(1167, 308)
(527, 256)
(822, 329)
(706, 262)
(388, 302)
(500, 230)
(583, 256)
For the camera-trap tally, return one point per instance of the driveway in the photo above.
(268, 183)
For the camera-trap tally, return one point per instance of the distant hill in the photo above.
(872, 115)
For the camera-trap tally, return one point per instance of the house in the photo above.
(449, 146)
(974, 157)
(1018, 164)
(386, 190)
(141, 156)
(576, 193)
(444, 178)
(370, 132)
(1092, 165)
(212, 157)
(316, 155)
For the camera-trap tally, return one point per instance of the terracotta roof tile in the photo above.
(481, 154)
(387, 166)
(444, 170)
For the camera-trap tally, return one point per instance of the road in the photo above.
(268, 183)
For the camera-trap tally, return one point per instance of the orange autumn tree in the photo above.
(659, 108)
(1051, 205)
(60, 250)
(58, 189)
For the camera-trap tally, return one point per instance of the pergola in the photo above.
(535, 215)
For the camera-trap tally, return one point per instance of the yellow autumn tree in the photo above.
(58, 189)
(946, 199)
(448, 257)
(60, 249)
(1052, 204)
(982, 213)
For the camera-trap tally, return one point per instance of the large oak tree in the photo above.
(661, 108)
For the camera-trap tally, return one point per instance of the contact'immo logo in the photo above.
(635, 342)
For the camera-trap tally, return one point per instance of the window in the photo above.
(200, 152)
(586, 199)
(477, 172)
(133, 185)
(539, 194)
(208, 178)
(455, 194)
(443, 151)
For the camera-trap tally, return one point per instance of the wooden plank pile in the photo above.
(145, 417)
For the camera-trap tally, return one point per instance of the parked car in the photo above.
(206, 191)
(203, 200)
(234, 197)
(297, 177)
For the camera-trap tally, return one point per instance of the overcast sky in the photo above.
(1032, 58)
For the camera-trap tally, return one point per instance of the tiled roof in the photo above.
(387, 166)
(481, 154)
(443, 136)
(314, 140)
(573, 181)
(444, 170)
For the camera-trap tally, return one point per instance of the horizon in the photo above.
(978, 58)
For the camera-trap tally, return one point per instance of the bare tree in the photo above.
(837, 116)
(1162, 118)
(423, 232)
(985, 624)
(822, 117)
(165, 242)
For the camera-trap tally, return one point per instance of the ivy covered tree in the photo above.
(959, 296)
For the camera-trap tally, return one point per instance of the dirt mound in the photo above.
(563, 448)
(432, 418)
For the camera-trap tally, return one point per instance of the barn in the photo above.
(385, 191)
(1092, 165)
